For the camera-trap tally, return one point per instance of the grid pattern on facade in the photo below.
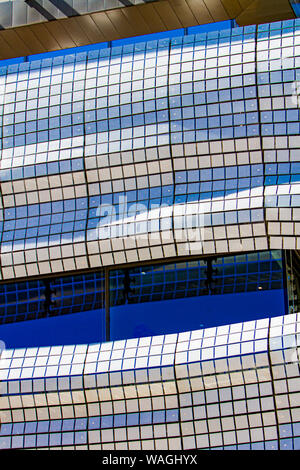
(231, 387)
(42, 298)
(51, 297)
(180, 146)
(232, 274)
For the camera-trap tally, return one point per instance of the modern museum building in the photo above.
(150, 224)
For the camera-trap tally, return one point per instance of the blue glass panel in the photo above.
(253, 285)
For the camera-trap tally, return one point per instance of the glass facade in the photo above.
(149, 234)
(195, 294)
(296, 7)
(293, 278)
(124, 154)
(232, 387)
(145, 300)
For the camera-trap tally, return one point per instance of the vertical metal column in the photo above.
(286, 281)
(107, 304)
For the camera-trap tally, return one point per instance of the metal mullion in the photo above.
(106, 322)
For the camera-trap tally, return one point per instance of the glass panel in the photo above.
(210, 292)
(293, 280)
(191, 295)
(67, 310)
(296, 7)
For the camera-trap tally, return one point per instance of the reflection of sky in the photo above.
(187, 111)
(10, 169)
(296, 7)
(161, 317)
(152, 318)
(57, 222)
(200, 108)
(60, 330)
(81, 425)
(75, 219)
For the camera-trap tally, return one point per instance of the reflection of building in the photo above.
(296, 7)
(150, 225)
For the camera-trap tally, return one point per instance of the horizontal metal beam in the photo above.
(135, 20)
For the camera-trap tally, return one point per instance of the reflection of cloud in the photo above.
(139, 219)
(2, 347)
(288, 63)
(296, 93)
(5, 175)
(291, 349)
(295, 353)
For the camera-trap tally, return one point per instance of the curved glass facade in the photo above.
(172, 147)
(145, 300)
(149, 234)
